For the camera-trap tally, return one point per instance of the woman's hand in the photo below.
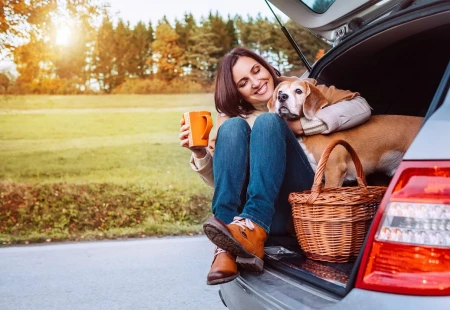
(184, 133)
(296, 127)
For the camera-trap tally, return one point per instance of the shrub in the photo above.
(70, 210)
(157, 86)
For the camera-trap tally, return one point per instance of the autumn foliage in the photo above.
(320, 53)
(149, 58)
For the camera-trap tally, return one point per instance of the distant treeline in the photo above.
(168, 57)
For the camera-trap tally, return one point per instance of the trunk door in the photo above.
(331, 20)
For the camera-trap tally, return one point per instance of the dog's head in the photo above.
(295, 98)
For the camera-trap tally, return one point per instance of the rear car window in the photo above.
(318, 6)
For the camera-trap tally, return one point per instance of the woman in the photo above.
(257, 161)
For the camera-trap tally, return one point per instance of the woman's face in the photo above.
(253, 81)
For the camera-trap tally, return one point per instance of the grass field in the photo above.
(118, 139)
(177, 102)
(87, 139)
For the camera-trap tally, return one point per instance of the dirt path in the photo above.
(103, 110)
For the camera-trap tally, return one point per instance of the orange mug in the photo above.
(200, 123)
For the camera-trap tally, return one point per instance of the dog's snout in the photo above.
(282, 97)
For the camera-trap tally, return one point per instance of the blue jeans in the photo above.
(256, 169)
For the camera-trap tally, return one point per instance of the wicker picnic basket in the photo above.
(331, 223)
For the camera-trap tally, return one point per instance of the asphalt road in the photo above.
(154, 273)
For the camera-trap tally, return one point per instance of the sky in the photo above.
(153, 10)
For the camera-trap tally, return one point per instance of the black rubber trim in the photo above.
(299, 275)
(221, 298)
(403, 5)
(291, 243)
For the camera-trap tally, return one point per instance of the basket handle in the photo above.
(317, 185)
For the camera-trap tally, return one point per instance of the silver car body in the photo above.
(274, 289)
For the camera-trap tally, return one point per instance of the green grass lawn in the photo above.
(97, 145)
(128, 140)
(179, 101)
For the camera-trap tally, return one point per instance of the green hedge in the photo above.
(61, 211)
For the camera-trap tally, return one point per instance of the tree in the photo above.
(104, 55)
(224, 35)
(151, 39)
(70, 61)
(215, 38)
(31, 28)
(4, 83)
(167, 52)
(232, 33)
(21, 18)
(108, 55)
(201, 56)
(26, 23)
(75, 61)
(139, 51)
(122, 43)
(28, 58)
(278, 53)
(307, 42)
(261, 36)
(188, 31)
(244, 30)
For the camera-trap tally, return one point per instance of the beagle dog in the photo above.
(294, 98)
(380, 142)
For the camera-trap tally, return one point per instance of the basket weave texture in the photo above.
(331, 223)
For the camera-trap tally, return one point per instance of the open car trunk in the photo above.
(398, 70)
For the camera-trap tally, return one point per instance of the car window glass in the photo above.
(319, 6)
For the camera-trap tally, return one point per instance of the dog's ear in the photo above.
(272, 100)
(310, 81)
(314, 101)
(288, 78)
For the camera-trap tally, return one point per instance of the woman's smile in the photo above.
(262, 90)
(253, 81)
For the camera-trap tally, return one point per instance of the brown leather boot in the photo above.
(223, 268)
(242, 238)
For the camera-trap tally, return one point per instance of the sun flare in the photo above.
(63, 36)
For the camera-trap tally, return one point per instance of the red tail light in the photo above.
(408, 247)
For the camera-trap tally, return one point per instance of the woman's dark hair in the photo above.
(226, 96)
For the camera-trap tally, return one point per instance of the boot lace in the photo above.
(243, 224)
(218, 250)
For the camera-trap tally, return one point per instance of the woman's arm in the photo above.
(340, 116)
(345, 114)
(203, 166)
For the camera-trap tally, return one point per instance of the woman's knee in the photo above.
(233, 127)
(270, 122)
